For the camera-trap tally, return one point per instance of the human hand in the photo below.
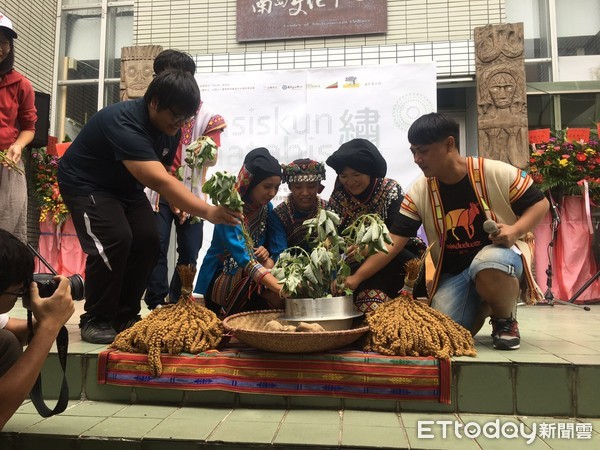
(14, 152)
(221, 214)
(52, 312)
(181, 215)
(506, 236)
(351, 282)
(261, 254)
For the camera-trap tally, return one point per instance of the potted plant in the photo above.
(309, 279)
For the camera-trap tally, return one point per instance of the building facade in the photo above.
(71, 49)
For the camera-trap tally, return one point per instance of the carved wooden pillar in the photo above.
(501, 93)
(136, 69)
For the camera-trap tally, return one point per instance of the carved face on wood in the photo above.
(502, 88)
(137, 69)
(138, 75)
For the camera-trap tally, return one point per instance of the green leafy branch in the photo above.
(221, 190)
(197, 153)
(314, 274)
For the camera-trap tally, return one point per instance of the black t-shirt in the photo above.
(93, 164)
(464, 223)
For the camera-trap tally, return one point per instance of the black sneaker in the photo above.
(98, 332)
(505, 333)
(129, 323)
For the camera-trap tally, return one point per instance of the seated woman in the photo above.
(361, 188)
(303, 177)
(234, 272)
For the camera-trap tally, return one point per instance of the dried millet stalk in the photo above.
(183, 327)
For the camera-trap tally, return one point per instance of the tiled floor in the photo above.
(554, 339)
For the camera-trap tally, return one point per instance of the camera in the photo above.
(47, 284)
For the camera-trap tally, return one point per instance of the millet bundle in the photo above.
(405, 327)
(182, 327)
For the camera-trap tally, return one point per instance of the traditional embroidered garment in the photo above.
(204, 123)
(288, 216)
(383, 197)
(368, 300)
(230, 255)
(291, 219)
(497, 185)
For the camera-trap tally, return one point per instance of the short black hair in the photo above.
(433, 127)
(9, 62)
(174, 88)
(16, 261)
(174, 59)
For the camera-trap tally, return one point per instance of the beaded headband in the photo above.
(303, 171)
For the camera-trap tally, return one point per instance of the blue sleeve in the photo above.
(277, 237)
(233, 241)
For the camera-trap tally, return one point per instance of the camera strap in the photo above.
(37, 398)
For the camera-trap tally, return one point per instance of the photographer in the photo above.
(19, 370)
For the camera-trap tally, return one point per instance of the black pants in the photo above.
(121, 242)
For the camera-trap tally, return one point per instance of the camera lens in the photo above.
(77, 287)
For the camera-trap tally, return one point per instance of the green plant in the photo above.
(197, 153)
(323, 270)
(221, 190)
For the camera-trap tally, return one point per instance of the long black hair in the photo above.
(9, 62)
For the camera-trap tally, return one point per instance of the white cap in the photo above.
(7, 25)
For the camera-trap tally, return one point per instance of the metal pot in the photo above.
(332, 313)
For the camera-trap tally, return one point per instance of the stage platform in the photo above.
(552, 379)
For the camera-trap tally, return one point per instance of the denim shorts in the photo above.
(456, 295)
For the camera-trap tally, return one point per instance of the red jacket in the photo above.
(17, 107)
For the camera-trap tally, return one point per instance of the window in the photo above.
(88, 61)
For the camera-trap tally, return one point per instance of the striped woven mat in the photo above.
(343, 373)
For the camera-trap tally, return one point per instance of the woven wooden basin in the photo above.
(248, 328)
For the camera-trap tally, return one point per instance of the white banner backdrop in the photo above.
(310, 113)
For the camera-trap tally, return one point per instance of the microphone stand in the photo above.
(549, 299)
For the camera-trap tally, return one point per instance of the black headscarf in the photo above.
(360, 155)
(259, 165)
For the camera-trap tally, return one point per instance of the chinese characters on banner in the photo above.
(310, 113)
(284, 19)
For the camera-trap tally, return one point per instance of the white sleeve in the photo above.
(3, 320)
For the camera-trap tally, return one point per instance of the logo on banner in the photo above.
(409, 108)
(351, 83)
(332, 86)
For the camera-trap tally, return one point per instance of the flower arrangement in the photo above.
(563, 166)
(45, 187)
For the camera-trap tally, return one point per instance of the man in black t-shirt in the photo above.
(478, 273)
(123, 148)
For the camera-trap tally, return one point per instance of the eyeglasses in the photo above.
(180, 118)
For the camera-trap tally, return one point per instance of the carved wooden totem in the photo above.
(501, 93)
(136, 69)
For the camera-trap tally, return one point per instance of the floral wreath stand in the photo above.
(567, 162)
(58, 244)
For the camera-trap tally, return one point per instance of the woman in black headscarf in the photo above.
(361, 188)
(231, 278)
